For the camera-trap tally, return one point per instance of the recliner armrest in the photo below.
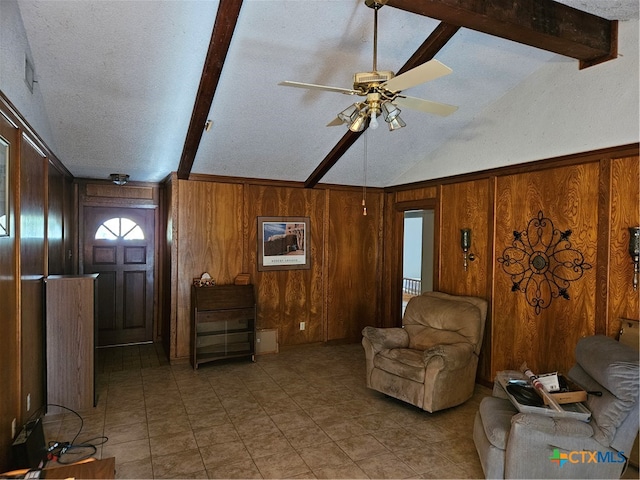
(452, 356)
(553, 426)
(385, 338)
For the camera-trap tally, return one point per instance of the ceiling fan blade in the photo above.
(422, 73)
(313, 86)
(426, 106)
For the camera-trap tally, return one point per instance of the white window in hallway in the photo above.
(119, 228)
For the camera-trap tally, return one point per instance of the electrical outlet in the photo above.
(302, 325)
(28, 402)
(14, 425)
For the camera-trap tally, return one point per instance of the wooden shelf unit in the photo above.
(222, 323)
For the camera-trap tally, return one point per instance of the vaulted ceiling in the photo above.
(129, 86)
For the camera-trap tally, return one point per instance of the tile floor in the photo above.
(302, 413)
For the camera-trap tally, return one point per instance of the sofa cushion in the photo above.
(433, 321)
(615, 367)
(402, 362)
(496, 414)
(608, 366)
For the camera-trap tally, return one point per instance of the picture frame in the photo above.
(284, 243)
(4, 188)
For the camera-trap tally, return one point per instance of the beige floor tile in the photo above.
(386, 465)
(169, 425)
(128, 451)
(188, 464)
(135, 469)
(423, 460)
(173, 443)
(323, 455)
(306, 436)
(286, 465)
(361, 447)
(349, 470)
(343, 429)
(256, 425)
(127, 433)
(209, 419)
(224, 454)
(213, 435)
(268, 445)
(302, 413)
(243, 469)
(292, 420)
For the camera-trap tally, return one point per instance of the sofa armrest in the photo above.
(386, 338)
(451, 357)
(553, 426)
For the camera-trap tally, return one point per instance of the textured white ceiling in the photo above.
(119, 81)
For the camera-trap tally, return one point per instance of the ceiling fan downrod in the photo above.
(376, 5)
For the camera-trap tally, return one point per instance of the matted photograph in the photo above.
(283, 243)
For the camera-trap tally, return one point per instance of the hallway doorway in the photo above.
(418, 248)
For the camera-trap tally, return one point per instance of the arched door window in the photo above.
(120, 228)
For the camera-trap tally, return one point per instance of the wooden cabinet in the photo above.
(70, 341)
(222, 323)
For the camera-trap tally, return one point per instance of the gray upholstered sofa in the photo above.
(431, 361)
(529, 445)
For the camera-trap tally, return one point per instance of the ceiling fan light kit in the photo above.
(382, 90)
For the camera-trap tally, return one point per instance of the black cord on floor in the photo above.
(56, 449)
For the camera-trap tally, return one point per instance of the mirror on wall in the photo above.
(4, 187)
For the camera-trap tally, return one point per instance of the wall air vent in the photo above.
(29, 73)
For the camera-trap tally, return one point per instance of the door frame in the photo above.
(142, 195)
(398, 230)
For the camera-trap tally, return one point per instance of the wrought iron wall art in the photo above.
(542, 263)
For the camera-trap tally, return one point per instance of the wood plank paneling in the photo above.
(416, 194)
(287, 297)
(55, 222)
(465, 205)
(209, 238)
(569, 198)
(33, 199)
(354, 264)
(468, 205)
(9, 341)
(623, 301)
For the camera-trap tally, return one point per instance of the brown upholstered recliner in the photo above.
(431, 361)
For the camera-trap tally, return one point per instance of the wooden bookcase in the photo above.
(222, 323)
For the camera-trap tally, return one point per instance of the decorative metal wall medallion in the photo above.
(542, 263)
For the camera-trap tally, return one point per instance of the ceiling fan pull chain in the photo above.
(364, 183)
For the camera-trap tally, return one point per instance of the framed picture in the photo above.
(4, 188)
(283, 243)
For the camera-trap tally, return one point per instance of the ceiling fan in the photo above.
(382, 90)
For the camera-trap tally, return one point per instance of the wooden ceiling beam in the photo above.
(432, 45)
(225, 24)
(543, 24)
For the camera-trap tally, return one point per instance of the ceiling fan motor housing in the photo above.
(366, 80)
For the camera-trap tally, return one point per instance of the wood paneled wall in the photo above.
(34, 187)
(33, 251)
(9, 340)
(567, 197)
(214, 230)
(594, 195)
(623, 211)
(467, 205)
